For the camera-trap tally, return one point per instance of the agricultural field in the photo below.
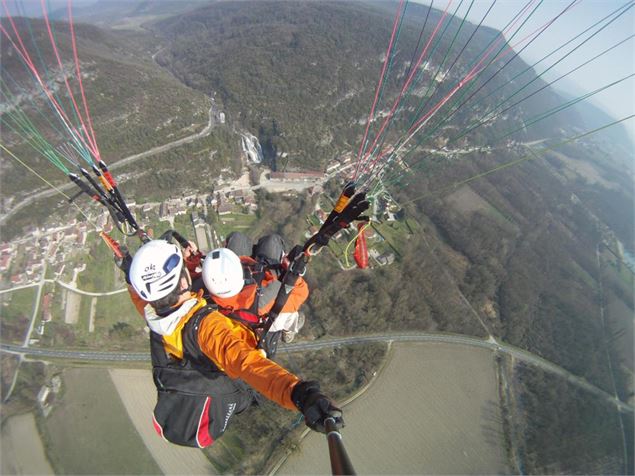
(16, 308)
(225, 224)
(138, 394)
(22, 449)
(88, 431)
(433, 409)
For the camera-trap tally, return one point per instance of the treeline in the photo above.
(568, 430)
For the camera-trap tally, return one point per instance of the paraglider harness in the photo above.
(195, 399)
(348, 208)
(255, 271)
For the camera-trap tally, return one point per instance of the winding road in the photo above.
(125, 161)
(330, 342)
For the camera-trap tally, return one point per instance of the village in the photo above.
(58, 249)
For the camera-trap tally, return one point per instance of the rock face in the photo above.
(251, 147)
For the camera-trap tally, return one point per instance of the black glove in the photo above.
(353, 210)
(315, 406)
(297, 260)
(124, 263)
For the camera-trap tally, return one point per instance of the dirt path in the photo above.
(91, 320)
(22, 449)
(71, 312)
(433, 410)
(138, 394)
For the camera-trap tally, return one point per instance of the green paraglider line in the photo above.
(532, 67)
(566, 105)
(420, 75)
(512, 163)
(47, 74)
(494, 112)
(474, 73)
(454, 139)
(6, 91)
(448, 115)
(39, 144)
(421, 163)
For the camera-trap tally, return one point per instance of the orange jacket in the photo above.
(232, 347)
(245, 298)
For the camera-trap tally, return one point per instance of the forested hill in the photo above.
(302, 75)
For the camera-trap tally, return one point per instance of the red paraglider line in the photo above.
(68, 87)
(468, 77)
(406, 84)
(379, 84)
(23, 52)
(79, 78)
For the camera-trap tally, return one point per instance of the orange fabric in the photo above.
(232, 347)
(245, 298)
(136, 300)
(173, 343)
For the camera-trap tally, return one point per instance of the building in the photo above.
(5, 262)
(225, 209)
(296, 176)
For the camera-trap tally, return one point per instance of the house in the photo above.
(386, 258)
(5, 262)
(225, 209)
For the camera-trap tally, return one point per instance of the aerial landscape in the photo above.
(470, 304)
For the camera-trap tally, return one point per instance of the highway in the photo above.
(331, 342)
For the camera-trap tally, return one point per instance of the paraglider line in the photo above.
(79, 77)
(93, 148)
(533, 155)
(49, 184)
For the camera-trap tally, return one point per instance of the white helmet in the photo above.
(155, 269)
(223, 273)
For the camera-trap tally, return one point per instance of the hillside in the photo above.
(135, 105)
(301, 76)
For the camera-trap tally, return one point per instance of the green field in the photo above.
(99, 275)
(242, 222)
(88, 431)
(16, 308)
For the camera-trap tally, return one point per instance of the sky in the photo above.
(619, 100)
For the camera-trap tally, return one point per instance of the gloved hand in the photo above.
(297, 260)
(124, 262)
(315, 406)
(353, 211)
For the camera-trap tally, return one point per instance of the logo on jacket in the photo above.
(230, 411)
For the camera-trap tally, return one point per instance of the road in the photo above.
(517, 353)
(66, 286)
(125, 161)
(27, 337)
